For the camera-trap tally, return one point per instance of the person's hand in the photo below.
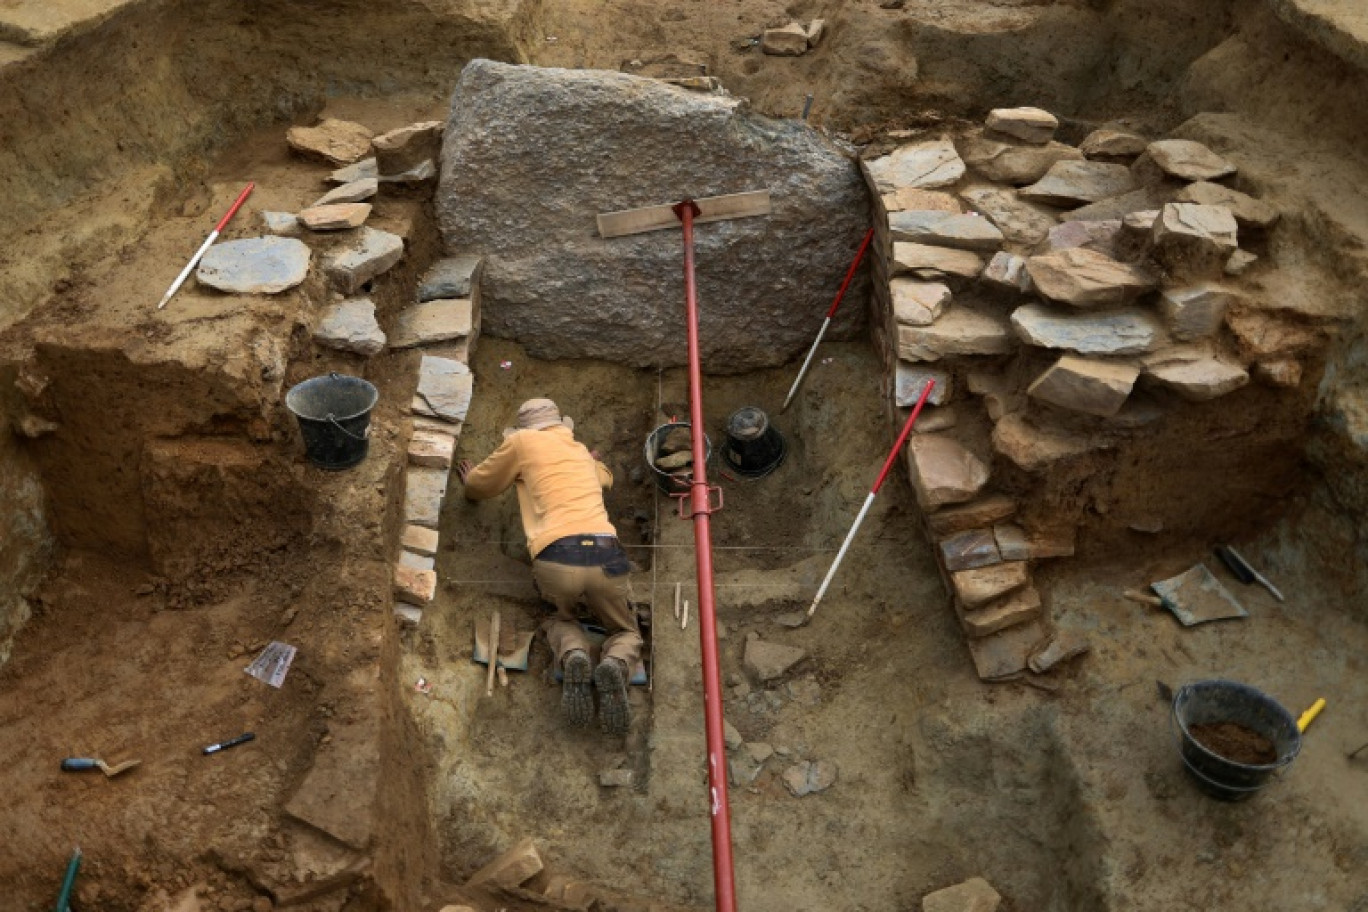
(463, 469)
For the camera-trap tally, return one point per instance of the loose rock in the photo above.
(1061, 647)
(1030, 125)
(1186, 160)
(406, 148)
(925, 165)
(1191, 240)
(1012, 163)
(789, 41)
(918, 303)
(1195, 312)
(767, 661)
(1085, 278)
(1196, 377)
(1036, 449)
(368, 255)
(1250, 214)
(1006, 271)
(1083, 385)
(1108, 144)
(338, 217)
(943, 471)
(1118, 332)
(366, 168)
(1073, 183)
(974, 895)
(354, 192)
(350, 325)
(1283, 372)
(265, 265)
(962, 330)
(337, 142)
(929, 262)
(1239, 262)
(809, 777)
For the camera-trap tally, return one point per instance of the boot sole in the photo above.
(577, 702)
(614, 711)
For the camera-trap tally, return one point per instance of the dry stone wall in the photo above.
(1066, 301)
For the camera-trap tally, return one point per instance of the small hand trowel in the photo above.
(76, 764)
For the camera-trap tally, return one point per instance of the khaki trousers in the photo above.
(608, 598)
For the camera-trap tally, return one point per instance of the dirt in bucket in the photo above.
(1236, 742)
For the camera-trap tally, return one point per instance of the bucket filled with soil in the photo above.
(669, 453)
(1233, 738)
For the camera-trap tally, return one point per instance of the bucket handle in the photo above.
(333, 421)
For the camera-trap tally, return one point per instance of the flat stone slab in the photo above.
(923, 166)
(1037, 449)
(1007, 652)
(969, 550)
(264, 265)
(452, 277)
(930, 262)
(419, 540)
(1194, 240)
(787, 41)
(350, 325)
(1084, 385)
(1250, 213)
(911, 198)
(424, 490)
(962, 330)
(1103, 236)
(945, 229)
(917, 303)
(361, 170)
(1106, 143)
(337, 795)
(413, 585)
(910, 379)
(1188, 160)
(1117, 332)
(1020, 221)
(1073, 183)
(514, 867)
(1198, 379)
(335, 217)
(1086, 278)
(985, 511)
(942, 471)
(445, 387)
(1019, 607)
(1032, 125)
(351, 192)
(768, 661)
(1195, 312)
(337, 142)
(980, 586)
(407, 147)
(431, 449)
(433, 322)
(368, 255)
(1014, 163)
(281, 224)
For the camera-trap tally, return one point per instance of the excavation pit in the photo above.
(161, 525)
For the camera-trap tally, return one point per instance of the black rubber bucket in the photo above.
(334, 418)
(1205, 702)
(670, 484)
(754, 448)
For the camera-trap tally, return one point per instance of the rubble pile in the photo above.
(1063, 299)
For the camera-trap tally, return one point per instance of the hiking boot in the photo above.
(611, 680)
(576, 700)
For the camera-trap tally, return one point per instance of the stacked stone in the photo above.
(445, 323)
(980, 278)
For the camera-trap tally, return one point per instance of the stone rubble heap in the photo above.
(1041, 285)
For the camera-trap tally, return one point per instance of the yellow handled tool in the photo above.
(1310, 715)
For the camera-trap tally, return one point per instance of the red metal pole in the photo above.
(724, 881)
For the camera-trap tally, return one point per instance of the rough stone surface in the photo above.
(366, 256)
(974, 895)
(1192, 240)
(1035, 449)
(1031, 125)
(910, 380)
(353, 192)
(606, 141)
(963, 232)
(1083, 385)
(943, 471)
(424, 490)
(905, 199)
(1250, 214)
(431, 449)
(414, 177)
(1102, 236)
(1118, 207)
(407, 147)
(980, 586)
(359, 171)
(1007, 272)
(1019, 607)
(265, 265)
(350, 325)
(807, 777)
(917, 303)
(432, 322)
(1013, 163)
(930, 262)
(789, 41)
(1020, 221)
(419, 540)
(1061, 647)
(282, 224)
(513, 868)
(337, 142)
(968, 550)
(452, 277)
(1106, 143)
(1188, 160)
(962, 330)
(1239, 262)
(1116, 332)
(1086, 278)
(731, 736)
(444, 389)
(414, 585)
(1012, 542)
(1197, 378)
(767, 661)
(984, 512)
(1073, 183)
(1281, 372)
(336, 217)
(922, 166)
(1196, 312)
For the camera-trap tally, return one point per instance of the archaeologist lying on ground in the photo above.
(575, 553)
